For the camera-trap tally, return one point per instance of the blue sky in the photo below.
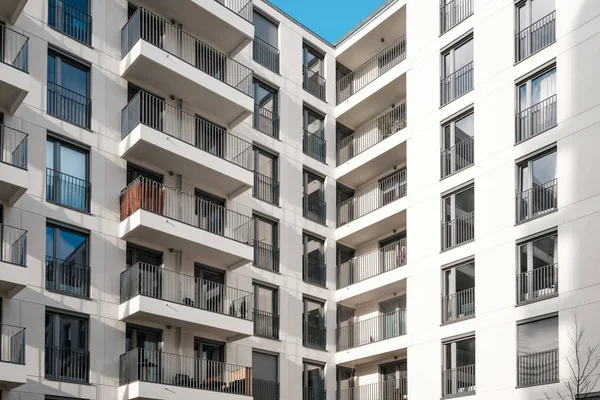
(328, 18)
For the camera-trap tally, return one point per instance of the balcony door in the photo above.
(457, 67)
(314, 128)
(537, 277)
(458, 292)
(211, 137)
(147, 342)
(458, 217)
(314, 196)
(392, 252)
(345, 204)
(393, 380)
(210, 289)
(345, 266)
(313, 381)
(66, 338)
(345, 327)
(209, 359)
(537, 186)
(392, 317)
(313, 318)
(149, 263)
(266, 311)
(345, 383)
(266, 180)
(457, 147)
(314, 259)
(459, 366)
(67, 260)
(67, 174)
(266, 108)
(537, 16)
(211, 212)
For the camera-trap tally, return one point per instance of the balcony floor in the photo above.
(156, 391)
(14, 86)
(13, 278)
(11, 9)
(14, 182)
(12, 375)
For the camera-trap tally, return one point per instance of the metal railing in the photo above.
(266, 256)
(154, 197)
(13, 245)
(67, 364)
(537, 368)
(373, 132)
(13, 147)
(458, 157)
(314, 208)
(153, 112)
(266, 324)
(453, 13)
(314, 145)
(12, 345)
(538, 200)
(457, 83)
(535, 37)
(70, 20)
(265, 121)
(265, 54)
(159, 283)
(373, 198)
(387, 58)
(537, 284)
(265, 188)
(263, 389)
(175, 370)
(69, 106)
(371, 264)
(14, 49)
(459, 230)
(314, 393)
(67, 190)
(243, 8)
(68, 277)
(314, 335)
(459, 305)
(314, 271)
(393, 389)
(144, 25)
(458, 381)
(371, 330)
(536, 119)
(313, 83)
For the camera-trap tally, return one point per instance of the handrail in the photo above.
(371, 330)
(68, 105)
(265, 121)
(392, 389)
(535, 37)
(458, 157)
(459, 305)
(265, 54)
(314, 146)
(13, 245)
(266, 324)
(67, 276)
(265, 188)
(313, 83)
(243, 8)
(67, 364)
(314, 271)
(70, 20)
(68, 191)
(453, 13)
(536, 119)
(537, 368)
(314, 208)
(459, 230)
(538, 200)
(12, 345)
(537, 284)
(14, 147)
(457, 83)
(14, 49)
(314, 335)
(457, 381)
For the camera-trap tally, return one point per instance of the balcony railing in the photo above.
(536, 36)
(458, 381)
(454, 12)
(393, 389)
(243, 8)
(68, 277)
(314, 271)
(376, 329)
(266, 324)
(314, 208)
(266, 256)
(13, 245)
(69, 106)
(314, 393)
(13, 147)
(459, 305)
(153, 112)
(373, 198)
(314, 146)
(313, 83)
(373, 132)
(70, 20)
(457, 231)
(537, 368)
(265, 54)
(537, 201)
(154, 197)
(67, 364)
(265, 188)
(14, 49)
(536, 119)
(266, 121)
(371, 264)
(159, 283)
(538, 284)
(146, 26)
(458, 157)
(12, 345)
(387, 58)
(263, 389)
(457, 83)
(67, 190)
(142, 365)
(314, 335)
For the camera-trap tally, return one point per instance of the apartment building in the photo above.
(204, 198)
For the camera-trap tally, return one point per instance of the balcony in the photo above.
(458, 231)
(537, 201)
(392, 389)
(538, 284)
(266, 256)
(140, 370)
(314, 335)
(535, 37)
(214, 235)
(69, 106)
(14, 65)
(67, 277)
(458, 381)
(371, 330)
(266, 324)
(67, 364)
(156, 294)
(314, 272)
(265, 121)
(313, 208)
(458, 306)
(70, 20)
(263, 389)
(156, 51)
(67, 191)
(169, 138)
(453, 13)
(537, 368)
(457, 83)
(13, 372)
(313, 145)
(265, 54)
(313, 393)
(14, 179)
(11, 9)
(458, 157)
(313, 83)
(13, 260)
(536, 119)
(265, 188)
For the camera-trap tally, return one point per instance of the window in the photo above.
(458, 225)
(266, 245)
(67, 175)
(211, 212)
(67, 257)
(314, 268)
(312, 71)
(265, 45)
(458, 292)
(266, 311)
(393, 318)
(536, 99)
(537, 356)
(536, 26)
(393, 380)
(71, 17)
(265, 375)
(313, 321)
(68, 89)
(457, 69)
(537, 274)
(314, 197)
(537, 186)
(457, 144)
(314, 144)
(266, 109)
(67, 357)
(266, 179)
(453, 12)
(313, 381)
(458, 371)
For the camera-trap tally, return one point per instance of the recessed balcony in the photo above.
(13, 258)
(13, 372)
(11, 9)
(14, 178)
(14, 68)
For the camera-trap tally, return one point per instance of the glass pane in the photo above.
(523, 101)
(72, 247)
(264, 97)
(81, 5)
(448, 209)
(465, 202)
(73, 162)
(523, 263)
(265, 29)
(448, 284)
(541, 8)
(50, 241)
(265, 165)
(264, 366)
(314, 186)
(313, 376)
(51, 68)
(524, 20)
(314, 311)
(447, 136)
(463, 55)
(465, 277)
(448, 355)
(543, 169)
(464, 128)
(50, 154)
(314, 124)
(448, 64)
(73, 78)
(544, 252)
(465, 352)
(314, 249)
(543, 87)
(264, 298)
(313, 61)
(525, 177)
(265, 232)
